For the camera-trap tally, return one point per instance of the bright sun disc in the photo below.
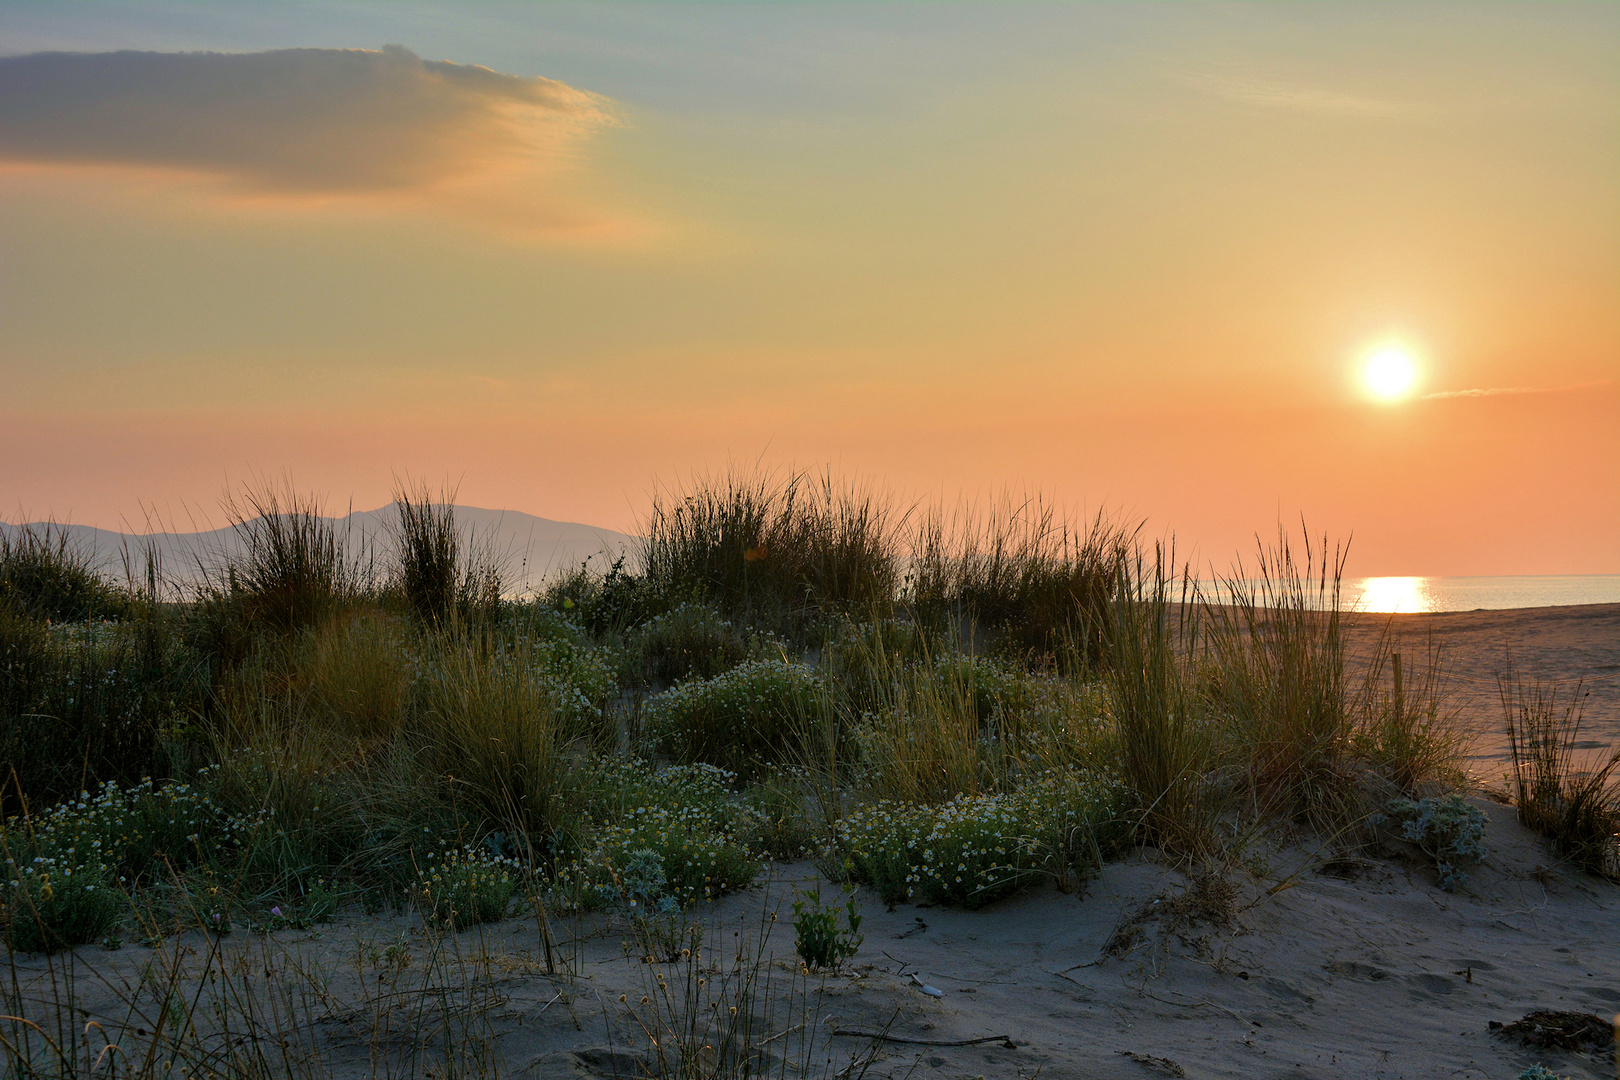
(1389, 373)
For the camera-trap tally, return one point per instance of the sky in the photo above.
(1131, 257)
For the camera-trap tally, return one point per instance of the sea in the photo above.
(1399, 595)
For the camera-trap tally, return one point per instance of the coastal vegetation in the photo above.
(947, 708)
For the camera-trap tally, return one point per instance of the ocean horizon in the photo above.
(1418, 595)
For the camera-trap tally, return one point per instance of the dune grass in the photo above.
(443, 576)
(775, 550)
(1569, 797)
(1033, 581)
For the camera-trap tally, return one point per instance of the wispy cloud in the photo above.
(306, 125)
(1289, 96)
(1500, 391)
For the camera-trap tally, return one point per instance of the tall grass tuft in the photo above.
(772, 548)
(442, 575)
(1167, 747)
(44, 576)
(1573, 801)
(294, 569)
(1275, 674)
(488, 727)
(1019, 571)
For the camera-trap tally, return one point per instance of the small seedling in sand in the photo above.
(817, 936)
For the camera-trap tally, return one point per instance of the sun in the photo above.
(1389, 372)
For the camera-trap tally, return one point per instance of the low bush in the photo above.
(68, 871)
(580, 675)
(1450, 831)
(683, 820)
(606, 603)
(465, 886)
(51, 902)
(141, 833)
(976, 849)
(745, 720)
(688, 640)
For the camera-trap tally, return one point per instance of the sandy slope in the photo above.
(1370, 972)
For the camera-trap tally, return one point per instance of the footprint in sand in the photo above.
(1352, 970)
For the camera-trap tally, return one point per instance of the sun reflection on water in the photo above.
(1395, 595)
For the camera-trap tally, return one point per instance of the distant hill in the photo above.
(530, 549)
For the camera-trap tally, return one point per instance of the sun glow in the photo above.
(1394, 595)
(1389, 372)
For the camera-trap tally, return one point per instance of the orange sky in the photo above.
(1127, 256)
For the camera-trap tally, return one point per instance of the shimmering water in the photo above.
(1403, 594)
(1419, 594)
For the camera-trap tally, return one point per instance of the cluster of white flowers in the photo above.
(133, 827)
(67, 870)
(684, 816)
(975, 848)
(467, 885)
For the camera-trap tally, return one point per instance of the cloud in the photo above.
(1295, 97)
(1498, 391)
(291, 122)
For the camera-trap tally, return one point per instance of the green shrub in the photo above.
(610, 602)
(81, 703)
(1450, 831)
(817, 936)
(746, 719)
(579, 674)
(683, 820)
(50, 902)
(688, 640)
(67, 869)
(465, 886)
(782, 827)
(140, 832)
(975, 849)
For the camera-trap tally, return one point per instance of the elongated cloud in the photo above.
(292, 121)
(1499, 391)
(1270, 93)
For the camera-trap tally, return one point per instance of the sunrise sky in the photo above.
(1138, 258)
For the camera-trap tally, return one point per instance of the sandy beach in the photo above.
(1570, 646)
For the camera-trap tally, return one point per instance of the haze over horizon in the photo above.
(1213, 267)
